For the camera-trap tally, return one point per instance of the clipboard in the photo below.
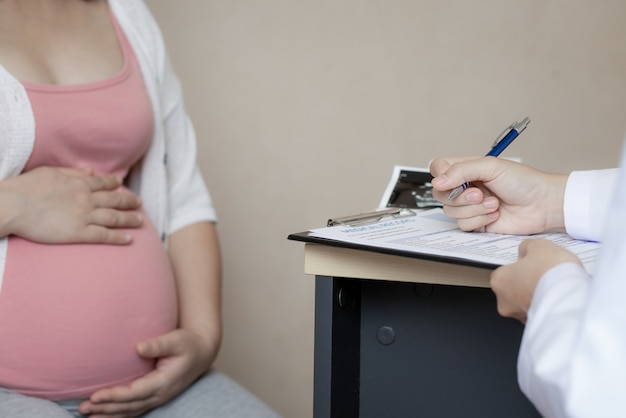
(308, 237)
(433, 236)
(408, 192)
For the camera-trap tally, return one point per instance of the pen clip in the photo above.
(370, 217)
(518, 126)
(504, 133)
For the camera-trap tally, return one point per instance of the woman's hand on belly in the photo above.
(181, 357)
(54, 205)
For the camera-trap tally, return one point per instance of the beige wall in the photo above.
(302, 108)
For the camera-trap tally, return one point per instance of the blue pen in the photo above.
(503, 141)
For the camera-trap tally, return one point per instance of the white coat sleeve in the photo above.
(587, 199)
(572, 360)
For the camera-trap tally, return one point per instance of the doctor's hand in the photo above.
(181, 357)
(504, 196)
(514, 284)
(55, 205)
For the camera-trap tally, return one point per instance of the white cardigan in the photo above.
(167, 179)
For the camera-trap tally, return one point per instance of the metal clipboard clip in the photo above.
(370, 217)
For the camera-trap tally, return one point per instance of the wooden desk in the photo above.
(404, 337)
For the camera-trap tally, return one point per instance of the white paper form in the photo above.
(431, 233)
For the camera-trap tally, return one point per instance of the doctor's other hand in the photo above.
(504, 196)
(514, 284)
(56, 205)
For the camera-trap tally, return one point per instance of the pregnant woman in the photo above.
(109, 257)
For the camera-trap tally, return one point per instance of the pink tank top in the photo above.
(71, 315)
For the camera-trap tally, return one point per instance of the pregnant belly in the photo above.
(71, 315)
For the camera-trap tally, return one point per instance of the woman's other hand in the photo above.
(181, 357)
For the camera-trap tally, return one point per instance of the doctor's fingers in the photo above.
(472, 216)
(512, 302)
(441, 165)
